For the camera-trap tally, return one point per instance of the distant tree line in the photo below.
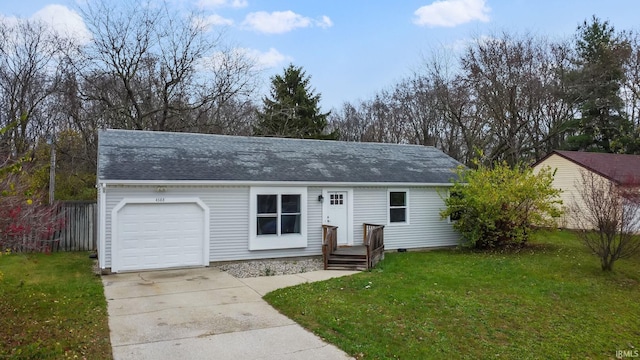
(512, 97)
(143, 68)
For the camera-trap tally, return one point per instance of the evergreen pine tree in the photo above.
(602, 124)
(292, 110)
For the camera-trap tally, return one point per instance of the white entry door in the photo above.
(337, 214)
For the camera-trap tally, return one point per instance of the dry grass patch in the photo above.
(53, 307)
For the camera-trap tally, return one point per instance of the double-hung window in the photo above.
(278, 214)
(398, 207)
(278, 219)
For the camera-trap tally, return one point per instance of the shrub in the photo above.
(497, 207)
(25, 217)
(608, 217)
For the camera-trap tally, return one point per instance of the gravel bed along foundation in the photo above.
(257, 268)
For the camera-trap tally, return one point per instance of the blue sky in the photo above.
(354, 48)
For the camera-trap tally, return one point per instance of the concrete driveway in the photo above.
(206, 313)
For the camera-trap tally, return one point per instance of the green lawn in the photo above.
(546, 302)
(52, 307)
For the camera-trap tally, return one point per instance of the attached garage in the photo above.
(159, 235)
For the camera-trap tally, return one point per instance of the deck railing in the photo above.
(329, 242)
(373, 240)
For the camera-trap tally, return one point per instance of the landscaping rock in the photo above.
(272, 267)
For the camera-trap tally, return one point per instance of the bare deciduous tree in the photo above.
(349, 122)
(608, 216)
(25, 217)
(630, 91)
(512, 77)
(149, 69)
(29, 76)
(502, 96)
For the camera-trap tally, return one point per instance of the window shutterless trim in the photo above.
(277, 240)
(405, 206)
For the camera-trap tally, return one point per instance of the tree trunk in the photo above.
(607, 264)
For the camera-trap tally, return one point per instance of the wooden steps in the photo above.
(348, 258)
(360, 257)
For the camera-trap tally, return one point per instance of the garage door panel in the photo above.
(155, 236)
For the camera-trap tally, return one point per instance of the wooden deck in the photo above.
(351, 250)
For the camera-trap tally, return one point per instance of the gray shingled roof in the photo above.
(149, 155)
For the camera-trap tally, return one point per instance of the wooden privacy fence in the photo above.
(67, 226)
(80, 230)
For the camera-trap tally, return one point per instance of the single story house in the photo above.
(622, 170)
(170, 200)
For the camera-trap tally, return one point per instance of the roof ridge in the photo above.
(273, 138)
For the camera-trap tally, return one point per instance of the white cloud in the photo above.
(268, 59)
(276, 22)
(210, 21)
(449, 13)
(222, 3)
(279, 22)
(325, 22)
(64, 21)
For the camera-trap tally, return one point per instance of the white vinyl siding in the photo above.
(314, 221)
(425, 228)
(229, 220)
(369, 206)
(229, 207)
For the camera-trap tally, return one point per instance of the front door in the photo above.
(337, 214)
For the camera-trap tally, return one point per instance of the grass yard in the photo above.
(546, 302)
(52, 307)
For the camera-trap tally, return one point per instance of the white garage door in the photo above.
(156, 236)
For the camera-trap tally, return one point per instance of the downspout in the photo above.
(102, 226)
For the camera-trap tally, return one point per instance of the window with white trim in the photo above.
(278, 219)
(278, 214)
(398, 207)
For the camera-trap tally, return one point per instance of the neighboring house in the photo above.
(622, 170)
(177, 199)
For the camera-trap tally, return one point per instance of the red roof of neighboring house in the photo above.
(619, 168)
